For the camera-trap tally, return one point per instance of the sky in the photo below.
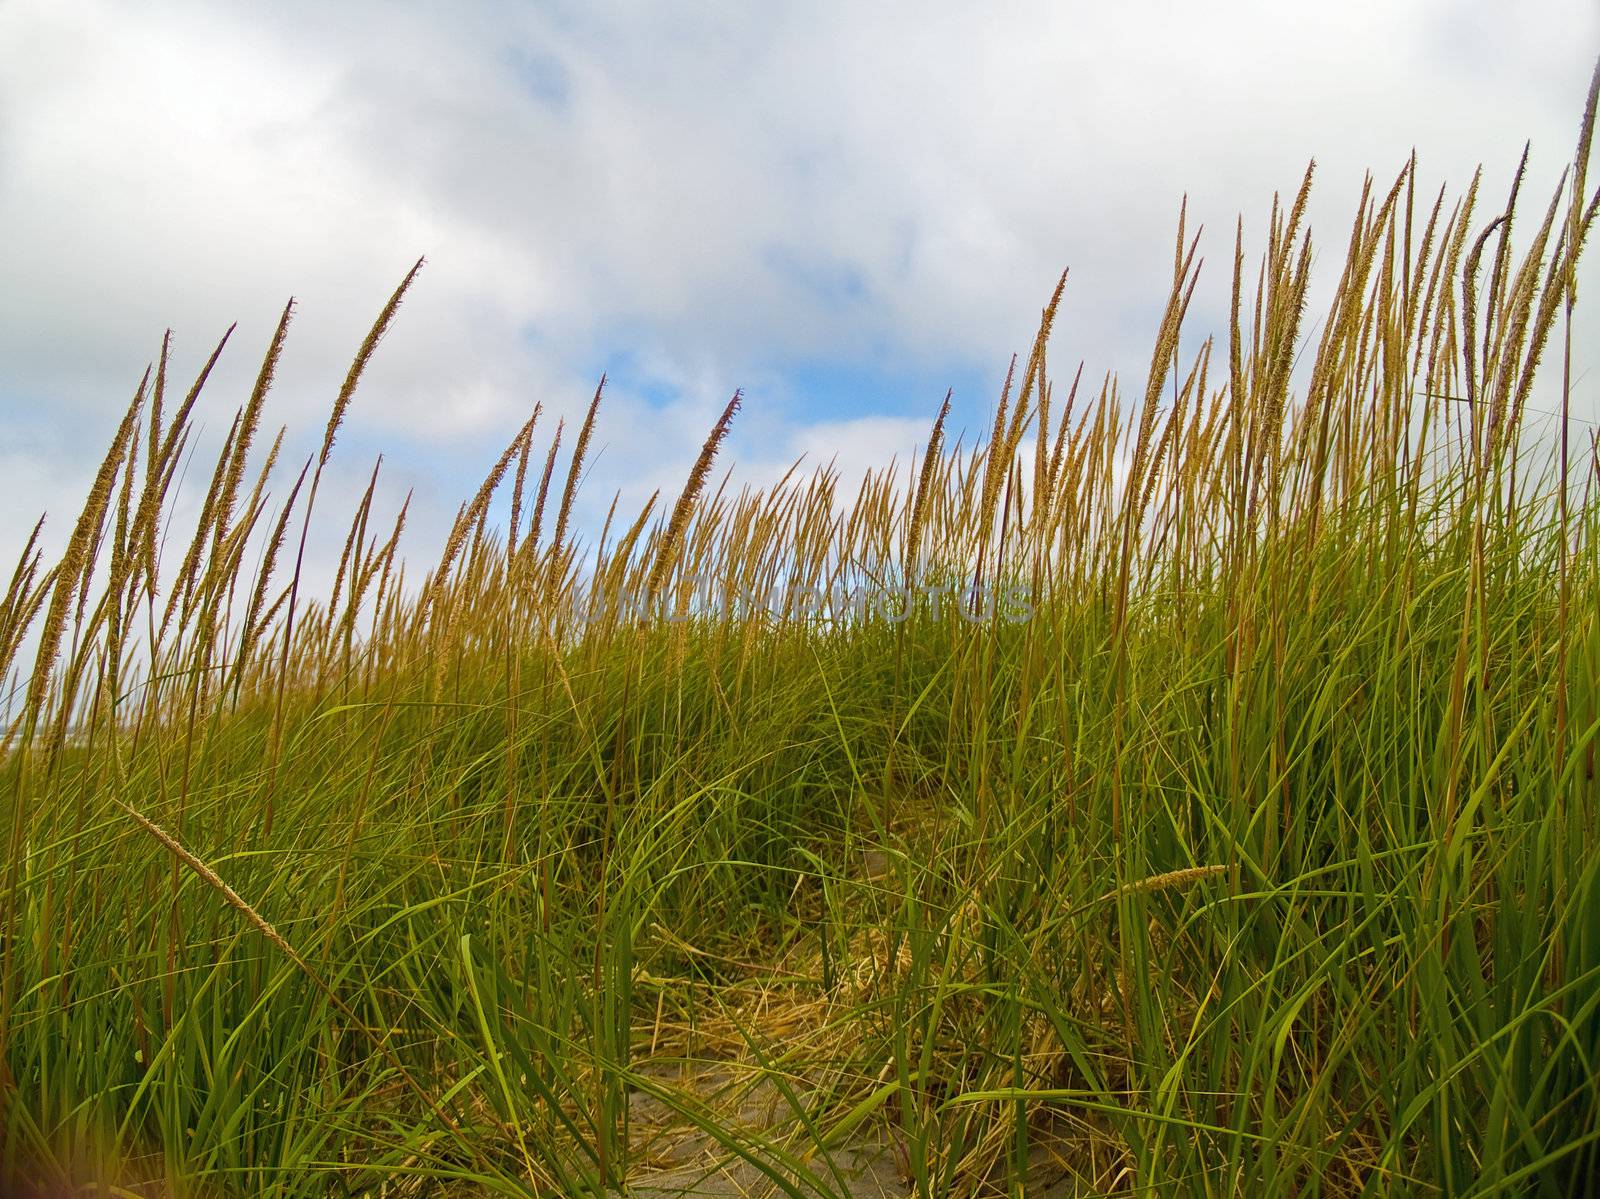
(843, 208)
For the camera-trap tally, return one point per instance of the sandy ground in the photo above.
(672, 1158)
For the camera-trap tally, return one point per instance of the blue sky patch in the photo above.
(542, 76)
(826, 389)
(836, 283)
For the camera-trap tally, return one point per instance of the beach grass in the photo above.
(1184, 791)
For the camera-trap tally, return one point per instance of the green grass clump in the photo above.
(1249, 849)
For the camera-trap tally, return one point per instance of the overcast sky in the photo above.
(842, 207)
